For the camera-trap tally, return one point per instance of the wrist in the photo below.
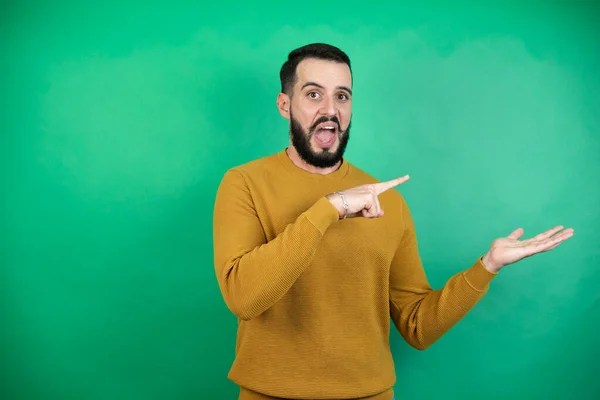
(337, 201)
(489, 264)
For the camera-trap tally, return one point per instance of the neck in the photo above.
(300, 163)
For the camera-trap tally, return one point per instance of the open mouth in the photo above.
(326, 133)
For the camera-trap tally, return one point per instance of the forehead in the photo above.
(329, 74)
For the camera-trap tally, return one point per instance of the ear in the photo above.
(283, 104)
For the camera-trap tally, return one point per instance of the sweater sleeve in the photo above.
(254, 274)
(423, 315)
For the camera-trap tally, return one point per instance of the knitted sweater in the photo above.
(313, 294)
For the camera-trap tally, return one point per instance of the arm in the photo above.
(252, 273)
(423, 315)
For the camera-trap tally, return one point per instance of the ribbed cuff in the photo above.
(478, 277)
(322, 214)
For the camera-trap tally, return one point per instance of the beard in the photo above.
(323, 158)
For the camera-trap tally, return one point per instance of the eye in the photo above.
(313, 95)
(343, 96)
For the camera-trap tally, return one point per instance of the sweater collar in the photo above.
(339, 173)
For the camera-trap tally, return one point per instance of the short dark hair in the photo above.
(319, 51)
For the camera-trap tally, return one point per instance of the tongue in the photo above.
(324, 136)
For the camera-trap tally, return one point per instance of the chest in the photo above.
(347, 244)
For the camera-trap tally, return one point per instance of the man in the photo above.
(315, 256)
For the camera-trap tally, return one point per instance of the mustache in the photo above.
(326, 119)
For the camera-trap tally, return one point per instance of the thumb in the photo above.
(516, 234)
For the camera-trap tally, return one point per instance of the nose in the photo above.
(329, 107)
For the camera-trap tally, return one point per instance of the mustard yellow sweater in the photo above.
(314, 294)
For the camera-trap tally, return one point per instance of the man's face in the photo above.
(321, 111)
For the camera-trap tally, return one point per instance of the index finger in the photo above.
(383, 186)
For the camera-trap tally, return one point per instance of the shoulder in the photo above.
(236, 182)
(249, 169)
(259, 165)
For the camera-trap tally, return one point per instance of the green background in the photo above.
(118, 121)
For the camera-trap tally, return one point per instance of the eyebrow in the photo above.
(347, 89)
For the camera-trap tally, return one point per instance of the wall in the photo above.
(119, 119)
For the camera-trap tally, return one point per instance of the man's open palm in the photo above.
(508, 250)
